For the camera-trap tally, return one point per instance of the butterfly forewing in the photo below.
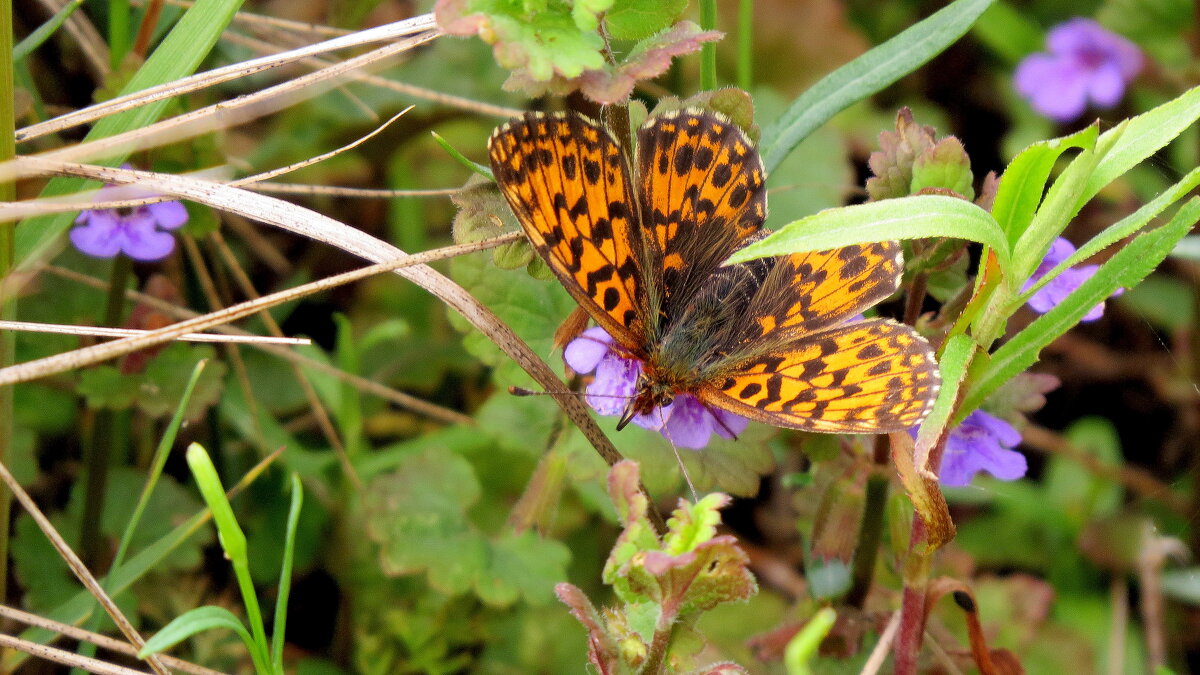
(701, 185)
(806, 292)
(869, 376)
(568, 182)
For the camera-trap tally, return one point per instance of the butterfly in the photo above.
(778, 340)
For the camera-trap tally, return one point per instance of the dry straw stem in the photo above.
(66, 658)
(363, 384)
(79, 569)
(85, 36)
(250, 19)
(101, 641)
(101, 331)
(83, 200)
(432, 95)
(220, 115)
(321, 228)
(419, 29)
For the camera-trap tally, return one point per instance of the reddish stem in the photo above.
(912, 609)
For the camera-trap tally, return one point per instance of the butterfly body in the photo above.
(775, 340)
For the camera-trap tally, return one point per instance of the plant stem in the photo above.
(118, 31)
(660, 644)
(745, 63)
(870, 534)
(103, 431)
(8, 308)
(708, 51)
(912, 609)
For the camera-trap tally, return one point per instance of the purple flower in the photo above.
(1058, 288)
(686, 421)
(138, 231)
(981, 442)
(1085, 62)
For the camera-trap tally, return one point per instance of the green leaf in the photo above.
(524, 566)
(955, 357)
(637, 19)
(476, 167)
(279, 628)
(1080, 494)
(805, 644)
(168, 374)
(1008, 32)
(1137, 138)
(179, 54)
(192, 622)
(1024, 180)
(1124, 270)
(1059, 207)
(904, 218)
(867, 75)
(104, 387)
(417, 514)
(693, 524)
(1118, 231)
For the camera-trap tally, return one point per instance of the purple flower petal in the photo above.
(1057, 290)
(1083, 62)
(690, 425)
(136, 232)
(146, 243)
(686, 421)
(168, 215)
(1106, 85)
(101, 237)
(981, 442)
(1063, 96)
(614, 385)
(583, 354)
(729, 425)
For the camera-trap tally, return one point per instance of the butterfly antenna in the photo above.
(522, 391)
(678, 458)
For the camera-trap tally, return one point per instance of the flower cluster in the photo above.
(686, 421)
(139, 232)
(1084, 62)
(1058, 288)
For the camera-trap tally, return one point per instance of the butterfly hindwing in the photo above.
(567, 180)
(700, 182)
(868, 376)
(807, 292)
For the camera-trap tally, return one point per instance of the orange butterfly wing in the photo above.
(869, 376)
(567, 180)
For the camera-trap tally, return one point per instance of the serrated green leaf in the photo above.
(192, 622)
(867, 75)
(1119, 230)
(1131, 142)
(417, 515)
(1024, 180)
(904, 218)
(693, 524)
(522, 566)
(104, 387)
(637, 19)
(163, 382)
(1124, 270)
